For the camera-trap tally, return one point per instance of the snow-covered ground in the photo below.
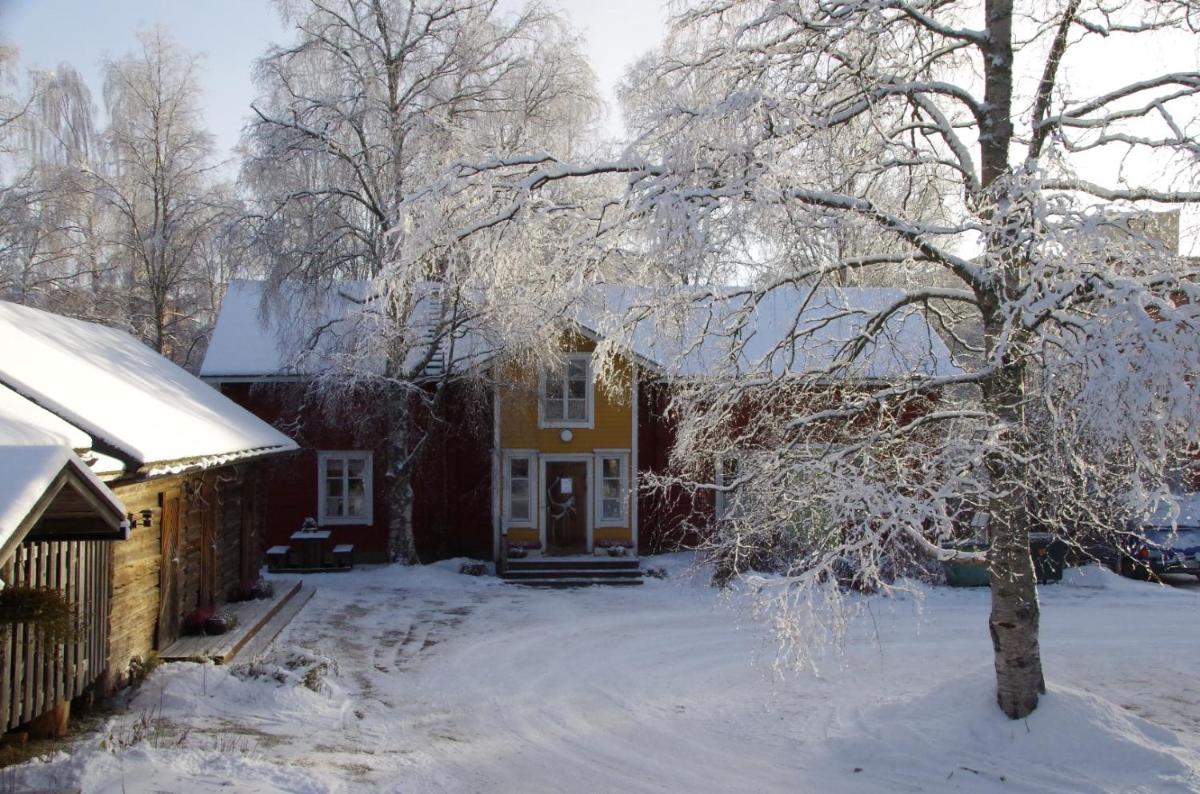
(423, 680)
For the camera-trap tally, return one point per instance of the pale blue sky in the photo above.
(232, 33)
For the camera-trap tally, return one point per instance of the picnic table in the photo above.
(310, 545)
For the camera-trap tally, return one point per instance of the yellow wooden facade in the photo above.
(520, 429)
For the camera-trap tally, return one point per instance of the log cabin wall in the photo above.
(36, 674)
(206, 511)
(137, 563)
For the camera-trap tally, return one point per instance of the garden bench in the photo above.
(277, 557)
(343, 555)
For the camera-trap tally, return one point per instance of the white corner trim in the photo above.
(495, 472)
(633, 461)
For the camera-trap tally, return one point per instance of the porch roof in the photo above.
(44, 482)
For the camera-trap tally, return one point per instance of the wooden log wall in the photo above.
(38, 674)
(210, 559)
(137, 564)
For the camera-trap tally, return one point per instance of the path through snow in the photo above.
(428, 681)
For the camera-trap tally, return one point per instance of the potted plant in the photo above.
(519, 550)
(613, 548)
(220, 623)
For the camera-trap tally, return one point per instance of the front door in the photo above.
(566, 511)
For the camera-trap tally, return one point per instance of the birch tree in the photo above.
(158, 182)
(1009, 166)
(369, 103)
(45, 210)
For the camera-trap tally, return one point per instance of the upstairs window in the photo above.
(566, 393)
(344, 480)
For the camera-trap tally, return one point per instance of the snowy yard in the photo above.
(428, 681)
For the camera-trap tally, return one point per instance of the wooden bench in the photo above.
(343, 555)
(277, 557)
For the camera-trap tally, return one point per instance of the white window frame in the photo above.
(529, 455)
(721, 500)
(323, 457)
(598, 499)
(589, 420)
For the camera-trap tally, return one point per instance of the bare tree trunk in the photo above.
(1015, 612)
(402, 546)
(160, 326)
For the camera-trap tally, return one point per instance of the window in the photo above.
(728, 468)
(520, 500)
(566, 393)
(344, 479)
(612, 497)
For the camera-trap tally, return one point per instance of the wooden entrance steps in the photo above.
(258, 623)
(574, 571)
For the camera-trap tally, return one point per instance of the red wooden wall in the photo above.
(452, 482)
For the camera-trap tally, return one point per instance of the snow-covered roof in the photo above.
(123, 396)
(34, 450)
(15, 408)
(789, 329)
(248, 343)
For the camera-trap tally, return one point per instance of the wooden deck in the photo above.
(258, 623)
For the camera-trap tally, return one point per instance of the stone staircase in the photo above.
(574, 571)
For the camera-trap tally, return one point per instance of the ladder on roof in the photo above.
(435, 367)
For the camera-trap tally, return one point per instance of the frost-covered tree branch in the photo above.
(869, 168)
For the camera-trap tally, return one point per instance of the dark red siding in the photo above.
(668, 519)
(452, 507)
(291, 480)
(452, 510)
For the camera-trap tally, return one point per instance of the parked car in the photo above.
(1162, 544)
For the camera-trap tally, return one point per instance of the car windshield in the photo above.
(1184, 539)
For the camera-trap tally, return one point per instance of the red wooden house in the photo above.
(548, 460)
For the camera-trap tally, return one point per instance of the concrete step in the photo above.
(566, 573)
(578, 571)
(577, 581)
(561, 564)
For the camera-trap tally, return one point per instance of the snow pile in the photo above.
(1083, 580)
(200, 727)
(1074, 742)
(119, 392)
